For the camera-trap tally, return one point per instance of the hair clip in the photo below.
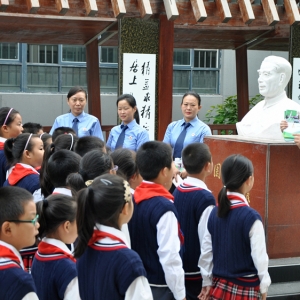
(7, 116)
(89, 182)
(127, 193)
(106, 182)
(72, 140)
(27, 141)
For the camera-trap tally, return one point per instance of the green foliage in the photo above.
(226, 113)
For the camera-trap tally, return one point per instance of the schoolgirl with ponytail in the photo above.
(10, 127)
(107, 267)
(234, 247)
(54, 267)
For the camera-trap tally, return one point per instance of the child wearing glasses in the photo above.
(19, 226)
(107, 267)
(54, 267)
(10, 127)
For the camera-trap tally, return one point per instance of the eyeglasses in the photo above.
(115, 168)
(34, 221)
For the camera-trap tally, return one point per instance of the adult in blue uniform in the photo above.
(189, 129)
(129, 134)
(83, 123)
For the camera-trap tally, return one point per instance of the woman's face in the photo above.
(190, 107)
(77, 103)
(125, 111)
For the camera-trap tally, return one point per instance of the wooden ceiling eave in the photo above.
(197, 23)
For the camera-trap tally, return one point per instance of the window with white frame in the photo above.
(196, 69)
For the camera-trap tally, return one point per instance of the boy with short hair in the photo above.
(154, 229)
(19, 226)
(194, 202)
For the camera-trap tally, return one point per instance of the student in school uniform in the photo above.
(154, 229)
(234, 261)
(107, 267)
(129, 134)
(82, 123)
(25, 153)
(54, 267)
(10, 127)
(194, 202)
(19, 226)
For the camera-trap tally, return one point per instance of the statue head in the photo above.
(274, 75)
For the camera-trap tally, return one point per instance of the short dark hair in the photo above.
(60, 165)
(125, 159)
(62, 130)
(195, 156)
(12, 201)
(192, 93)
(32, 127)
(88, 143)
(7, 115)
(76, 89)
(54, 211)
(132, 102)
(152, 157)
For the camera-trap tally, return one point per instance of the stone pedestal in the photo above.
(276, 191)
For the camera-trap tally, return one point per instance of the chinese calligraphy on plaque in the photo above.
(139, 74)
(296, 80)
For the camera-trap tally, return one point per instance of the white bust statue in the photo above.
(263, 120)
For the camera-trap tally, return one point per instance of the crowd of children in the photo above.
(80, 221)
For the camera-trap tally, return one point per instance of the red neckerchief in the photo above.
(48, 249)
(145, 191)
(236, 205)
(18, 173)
(8, 253)
(1, 145)
(98, 235)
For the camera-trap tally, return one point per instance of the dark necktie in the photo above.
(121, 137)
(75, 125)
(179, 143)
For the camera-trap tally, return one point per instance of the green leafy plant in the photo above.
(226, 113)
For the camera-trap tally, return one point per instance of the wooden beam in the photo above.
(62, 6)
(90, 7)
(292, 11)
(165, 76)
(145, 9)
(224, 11)
(171, 9)
(33, 6)
(270, 12)
(199, 10)
(93, 79)
(118, 7)
(3, 4)
(246, 11)
(242, 81)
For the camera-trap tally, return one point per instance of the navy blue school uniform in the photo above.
(3, 162)
(54, 271)
(107, 268)
(191, 199)
(15, 282)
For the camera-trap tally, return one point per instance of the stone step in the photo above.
(284, 270)
(284, 291)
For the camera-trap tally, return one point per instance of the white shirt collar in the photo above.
(240, 196)
(196, 182)
(63, 191)
(14, 250)
(57, 243)
(2, 139)
(118, 233)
